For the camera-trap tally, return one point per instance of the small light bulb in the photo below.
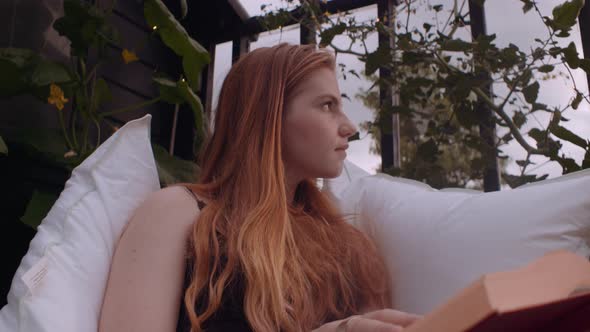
(154, 27)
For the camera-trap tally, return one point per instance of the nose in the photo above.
(347, 128)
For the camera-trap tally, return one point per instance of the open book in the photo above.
(551, 293)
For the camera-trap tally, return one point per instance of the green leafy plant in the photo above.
(77, 87)
(443, 81)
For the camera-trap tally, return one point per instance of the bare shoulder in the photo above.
(173, 201)
(145, 283)
(166, 207)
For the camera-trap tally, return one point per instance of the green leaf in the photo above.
(428, 151)
(577, 100)
(568, 164)
(84, 25)
(198, 113)
(519, 119)
(20, 57)
(354, 137)
(175, 36)
(565, 134)
(47, 72)
(531, 92)
(437, 8)
(376, 59)
(545, 142)
(13, 66)
(3, 147)
(327, 35)
(539, 107)
(179, 93)
(466, 115)
(171, 169)
(102, 93)
(183, 9)
(24, 71)
(537, 135)
(528, 5)
(507, 137)
(192, 69)
(456, 45)
(565, 14)
(571, 55)
(585, 65)
(515, 181)
(168, 90)
(38, 207)
(42, 145)
(546, 68)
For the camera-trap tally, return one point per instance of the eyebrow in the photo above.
(331, 96)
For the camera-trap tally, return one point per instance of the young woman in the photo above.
(254, 245)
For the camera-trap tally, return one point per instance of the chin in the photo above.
(333, 173)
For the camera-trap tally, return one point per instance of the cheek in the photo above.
(310, 133)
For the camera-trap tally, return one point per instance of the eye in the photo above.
(328, 106)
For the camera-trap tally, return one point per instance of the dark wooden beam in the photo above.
(584, 22)
(306, 34)
(487, 125)
(240, 46)
(390, 154)
(253, 27)
(208, 79)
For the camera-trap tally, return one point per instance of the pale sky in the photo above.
(503, 17)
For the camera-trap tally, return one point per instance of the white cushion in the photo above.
(435, 242)
(72, 249)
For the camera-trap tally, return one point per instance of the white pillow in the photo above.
(435, 242)
(60, 282)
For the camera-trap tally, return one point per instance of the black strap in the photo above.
(200, 203)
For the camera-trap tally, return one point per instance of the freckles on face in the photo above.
(312, 125)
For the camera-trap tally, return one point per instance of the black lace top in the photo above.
(229, 317)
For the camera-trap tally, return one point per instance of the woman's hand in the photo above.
(385, 320)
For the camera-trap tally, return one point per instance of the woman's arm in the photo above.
(383, 320)
(145, 284)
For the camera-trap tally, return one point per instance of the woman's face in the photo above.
(316, 131)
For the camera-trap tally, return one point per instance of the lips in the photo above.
(342, 147)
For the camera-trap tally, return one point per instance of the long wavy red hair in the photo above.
(301, 263)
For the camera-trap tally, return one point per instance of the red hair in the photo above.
(301, 263)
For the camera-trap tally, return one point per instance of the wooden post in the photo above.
(584, 22)
(208, 79)
(390, 137)
(487, 125)
(307, 35)
(240, 45)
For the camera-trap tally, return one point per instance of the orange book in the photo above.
(550, 294)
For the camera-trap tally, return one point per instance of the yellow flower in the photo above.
(129, 56)
(56, 96)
